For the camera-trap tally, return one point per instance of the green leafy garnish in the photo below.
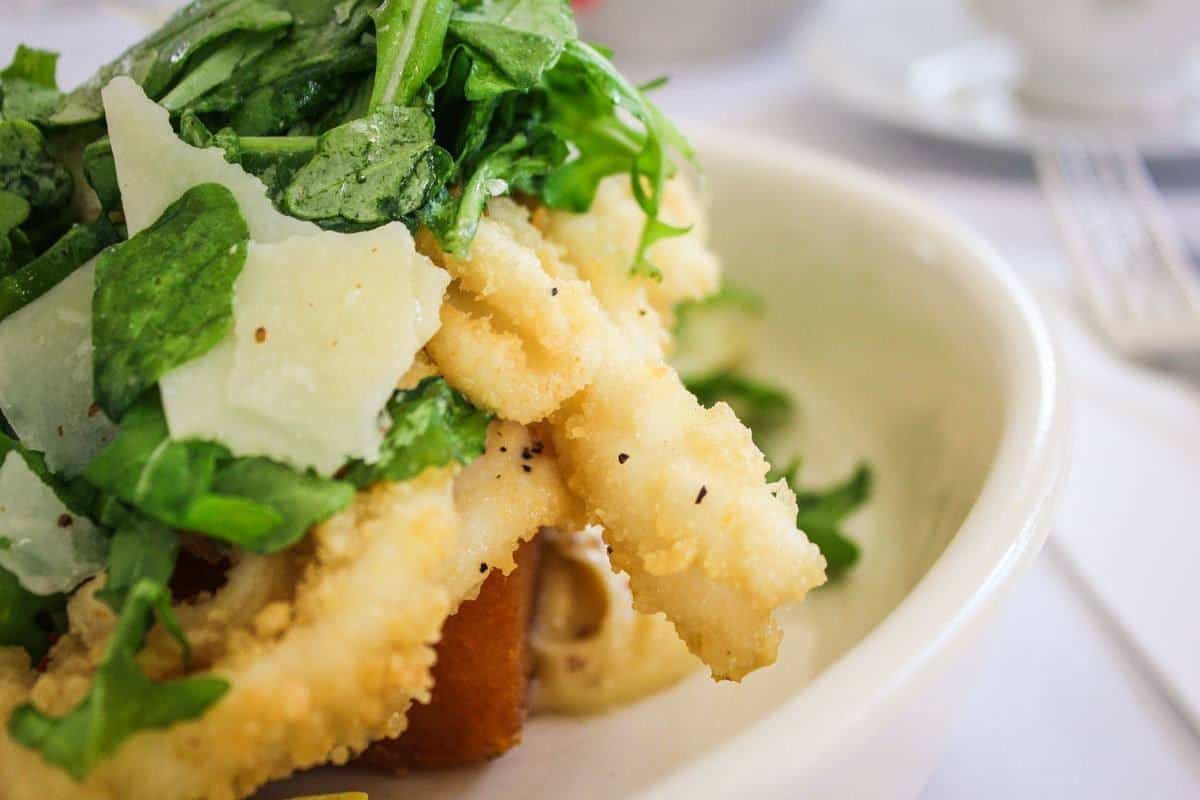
(165, 296)
(198, 486)
(518, 39)
(26, 618)
(78, 246)
(409, 36)
(822, 512)
(761, 407)
(28, 87)
(159, 60)
(370, 171)
(432, 425)
(122, 701)
(29, 171)
(141, 549)
(14, 245)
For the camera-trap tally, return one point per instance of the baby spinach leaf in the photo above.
(26, 619)
(28, 86)
(432, 425)
(79, 245)
(301, 499)
(165, 296)
(122, 700)
(409, 36)
(370, 171)
(159, 60)
(520, 38)
(238, 55)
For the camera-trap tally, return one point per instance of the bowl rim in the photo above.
(997, 541)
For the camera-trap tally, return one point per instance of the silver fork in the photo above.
(1142, 289)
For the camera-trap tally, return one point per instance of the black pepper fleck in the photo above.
(483, 568)
(703, 493)
(538, 447)
(554, 292)
(623, 458)
(65, 521)
(527, 454)
(503, 449)
(527, 468)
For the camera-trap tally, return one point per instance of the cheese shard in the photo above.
(46, 375)
(155, 167)
(48, 548)
(324, 327)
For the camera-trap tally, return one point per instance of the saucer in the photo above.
(930, 67)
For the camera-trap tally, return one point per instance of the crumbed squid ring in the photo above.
(317, 676)
(517, 312)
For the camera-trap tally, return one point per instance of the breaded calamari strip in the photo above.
(601, 245)
(504, 497)
(718, 561)
(515, 311)
(682, 496)
(318, 680)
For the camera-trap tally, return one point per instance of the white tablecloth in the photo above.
(1064, 707)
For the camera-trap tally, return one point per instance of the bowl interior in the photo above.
(897, 358)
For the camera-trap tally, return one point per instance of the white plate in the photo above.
(928, 66)
(911, 345)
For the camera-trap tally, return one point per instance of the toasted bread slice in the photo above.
(480, 681)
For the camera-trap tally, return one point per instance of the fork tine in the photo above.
(1130, 260)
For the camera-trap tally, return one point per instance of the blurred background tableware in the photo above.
(935, 67)
(1100, 56)
(649, 36)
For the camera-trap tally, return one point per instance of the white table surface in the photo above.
(1064, 707)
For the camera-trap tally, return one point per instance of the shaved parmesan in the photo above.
(46, 375)
(48, 548)
(324, 327)
(155, 167)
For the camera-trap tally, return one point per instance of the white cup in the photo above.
(1107, 56)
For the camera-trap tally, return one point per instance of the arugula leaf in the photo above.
(455, 219)
(122, 700)
(165, 296)
(171, 481)
(822, 512)
(24, 616)
(198, 486)
(236, 56)
(141, 549)
(716, 333)
(28, 86)
(521, 39)
(761, 407)
(409, 36)
(76, 494)
(28, 170)
(586, 94)
(159, 60)
(79, 245)
(100, 171)
(304, 74)
(275, 160)
(302, 499)
(432, 425)
(370, 171)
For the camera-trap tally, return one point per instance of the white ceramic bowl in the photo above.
(912, 345)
